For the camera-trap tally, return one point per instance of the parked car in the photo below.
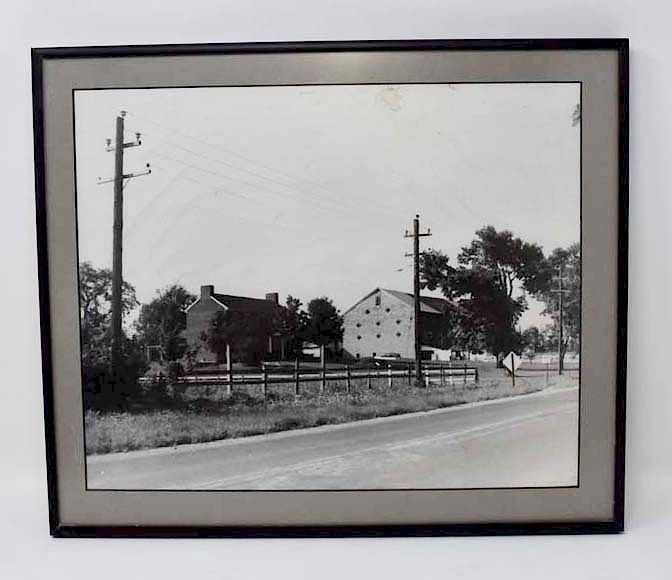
(388, 356)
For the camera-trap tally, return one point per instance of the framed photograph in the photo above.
(333, 288)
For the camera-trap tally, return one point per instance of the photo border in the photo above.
(345, 489)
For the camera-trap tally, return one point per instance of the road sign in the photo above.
(512, 361)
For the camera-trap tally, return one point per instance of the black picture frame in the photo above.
(58, 529)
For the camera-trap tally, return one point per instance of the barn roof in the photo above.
(428, 304)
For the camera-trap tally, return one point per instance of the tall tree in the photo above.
(163, 320)
(509, 259)
(490, 314)
(324, 323)
(291, 322)
(565, 262)
(533, 340)
(436, 273)
(489, 283)
(95, 294)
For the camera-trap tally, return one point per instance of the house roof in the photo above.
(245, 304)
(429, 304)
(241, 304)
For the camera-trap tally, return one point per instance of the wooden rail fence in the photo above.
(434, 373)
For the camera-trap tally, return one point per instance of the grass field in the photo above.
(242, 415)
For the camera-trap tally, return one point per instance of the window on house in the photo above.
(359, 337)
(377, 335)
(358, 325)
(398, 333)
(367, 311)
(378, 300)
(387, 310)
(378, 323)
(398, 321)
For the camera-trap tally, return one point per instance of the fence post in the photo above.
(264, 378)
(442, 370)
(368, 379)
(296, 377)
(323, 379)
(229, 369)
(389, 376)
(465, 373)
(347, 379)
(475, 374)
(547, 364)
(410, 369)
(450, 372)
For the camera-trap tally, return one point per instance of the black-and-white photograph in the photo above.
(330, 287)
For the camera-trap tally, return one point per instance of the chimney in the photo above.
(273, 297)
(207, 291)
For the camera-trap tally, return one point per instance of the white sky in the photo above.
(308, 190)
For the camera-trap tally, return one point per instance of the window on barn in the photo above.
(387, 310)
(367, 311)
(359, 337)
(358, 325)
(378, 323)
(398, 333)
(378, 300)
(377, 335)
(398, 321)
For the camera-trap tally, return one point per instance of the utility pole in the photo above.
(560, 291)
(560, 361)
(416, 235)
(117, 235)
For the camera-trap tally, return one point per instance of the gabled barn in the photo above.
(383, 322)
(201, 313)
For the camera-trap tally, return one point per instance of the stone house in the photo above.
(201, 313)
(383, 322)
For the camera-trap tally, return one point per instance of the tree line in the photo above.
(161, 323)
(494, 276)
(489, 286)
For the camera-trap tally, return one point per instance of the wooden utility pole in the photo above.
(560, 291)
(416, 235)
(117, 239)
(116, 358)
(560, 337)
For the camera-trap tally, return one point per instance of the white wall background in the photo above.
(26, 551)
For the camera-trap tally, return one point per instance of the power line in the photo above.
(312, 203)
(229, 152)
(342, 205)
(301, 182)
(381, 206)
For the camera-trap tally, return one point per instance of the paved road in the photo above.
(518, 442)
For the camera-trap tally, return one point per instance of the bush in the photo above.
(105, 390)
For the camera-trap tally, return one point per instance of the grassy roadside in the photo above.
(245, 416)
